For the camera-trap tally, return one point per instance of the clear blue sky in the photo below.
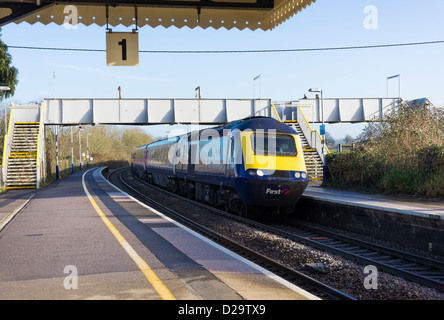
(284, 76)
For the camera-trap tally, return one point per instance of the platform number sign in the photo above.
(122, 49)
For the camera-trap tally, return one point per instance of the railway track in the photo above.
(416, 268)
(310, 284)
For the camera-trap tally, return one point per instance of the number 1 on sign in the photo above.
(123, 44)
(122, 49)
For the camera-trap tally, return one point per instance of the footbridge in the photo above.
(24, 159)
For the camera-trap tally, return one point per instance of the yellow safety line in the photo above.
(152, 278)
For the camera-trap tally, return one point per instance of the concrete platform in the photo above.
(412, 222)
(64, 245)
(433, 209)
(13, 201)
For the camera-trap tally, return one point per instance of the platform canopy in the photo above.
(240, 14)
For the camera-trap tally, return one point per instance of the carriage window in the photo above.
(283, 145)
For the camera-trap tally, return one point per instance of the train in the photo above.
(247, 165)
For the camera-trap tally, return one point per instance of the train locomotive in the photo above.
(255, 163)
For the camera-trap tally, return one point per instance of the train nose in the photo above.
(263, 192)
(276, 190)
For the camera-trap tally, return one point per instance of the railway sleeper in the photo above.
(432, 274)
(337, 244)
(417, 269)
(347, 247)
(394, 261)
(370, 254)
(406, 265)
(382, 258)
(359, 251)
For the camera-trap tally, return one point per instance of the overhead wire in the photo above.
(240, 51)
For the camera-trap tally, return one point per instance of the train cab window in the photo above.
(283, 145)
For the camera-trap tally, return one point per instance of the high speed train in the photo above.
(255, 163)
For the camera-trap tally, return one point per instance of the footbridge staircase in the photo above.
(23, 154)
(312, 143)
(313, 157)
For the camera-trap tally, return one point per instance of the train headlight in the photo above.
(260, 173)
(252, 172)
(302, 174)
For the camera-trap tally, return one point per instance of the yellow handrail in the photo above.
(38, 138)
(308, 123)
(277, 114)
(6, 137)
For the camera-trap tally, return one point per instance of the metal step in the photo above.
(313, 161)
(22, 160)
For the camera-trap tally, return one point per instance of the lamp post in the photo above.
(57, 152)
(399, 84)
(322, 128)
(254, 80)
(322, 101)
(56, 132)
(197, 94)
(80, 150)
(87, 150)
(72, 153)
(4, 88)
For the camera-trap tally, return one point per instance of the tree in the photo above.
(8, 78)
(329, 140)
(348, 139)
(8, 73)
